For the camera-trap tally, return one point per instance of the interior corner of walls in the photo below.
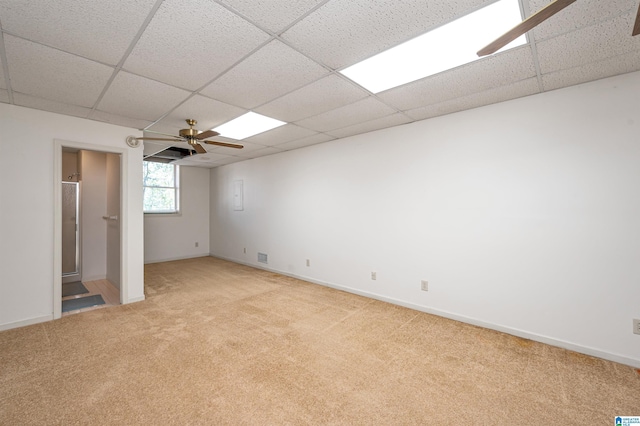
(183, 236)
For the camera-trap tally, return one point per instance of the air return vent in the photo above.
(262, 258)
(169, 155)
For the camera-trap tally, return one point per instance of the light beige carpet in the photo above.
(219, 343)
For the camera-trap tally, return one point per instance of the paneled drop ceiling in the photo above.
(150, 64)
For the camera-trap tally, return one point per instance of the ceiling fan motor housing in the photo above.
(189, 133)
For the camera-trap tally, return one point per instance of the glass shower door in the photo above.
(70, 227)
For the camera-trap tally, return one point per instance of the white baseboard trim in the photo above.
(146, 262)
(24, 323)
(468, 320)
(45, 318)
(134, 300)
(94, 278)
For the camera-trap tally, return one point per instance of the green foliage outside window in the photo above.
(160, 187)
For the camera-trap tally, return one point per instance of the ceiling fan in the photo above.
(191, 136)
(534, 20)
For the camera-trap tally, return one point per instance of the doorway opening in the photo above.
(90, 231)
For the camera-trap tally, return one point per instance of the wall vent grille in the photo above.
(262, 258)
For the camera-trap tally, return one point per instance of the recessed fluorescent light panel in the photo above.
(248, 125)
(446, 47)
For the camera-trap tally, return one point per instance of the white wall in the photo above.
(172, 237)
(93, 201)
(27, 183)
(523, 216)
(70, 167)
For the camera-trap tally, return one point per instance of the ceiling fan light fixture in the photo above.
(248, 125)
(193, 137)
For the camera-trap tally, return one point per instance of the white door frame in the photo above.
(57, 215)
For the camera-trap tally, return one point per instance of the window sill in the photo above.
(162, 214)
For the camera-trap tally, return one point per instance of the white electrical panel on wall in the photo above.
(238, 203)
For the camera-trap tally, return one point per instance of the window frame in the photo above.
(175, 188)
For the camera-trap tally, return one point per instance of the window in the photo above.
(160, 187)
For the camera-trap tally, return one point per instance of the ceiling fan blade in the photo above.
(207, 134)
(526, 25)
(227, 144)
(160, 139)
(636, 26)
(199, 148)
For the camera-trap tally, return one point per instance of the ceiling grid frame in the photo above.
(526, 12)
(5, 66)
(127, 52)
(273, 36)
(471, 86)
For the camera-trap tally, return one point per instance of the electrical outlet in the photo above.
(636, 326)
(244, 250)
(197, 244)
(374, 276)
(308, 262)
(424, 285)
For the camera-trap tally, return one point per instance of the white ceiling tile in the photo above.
(499, 94)
(187, 163)
(119, 120)
(48, 105)
(188, 44)
(248, 147)
(280, 135)
(258, 152)
(327, 93)
(343, 32)
(209, 113)
(591, 44)
(199, 159)
(360, 111)
(609, 67)
(369, 126)
(308, 141)
(138, 97)
(52, 74)
(78, 26)
(271, 72)
(578, 15)
(272, 15)
(492, 71)
(228, 160)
